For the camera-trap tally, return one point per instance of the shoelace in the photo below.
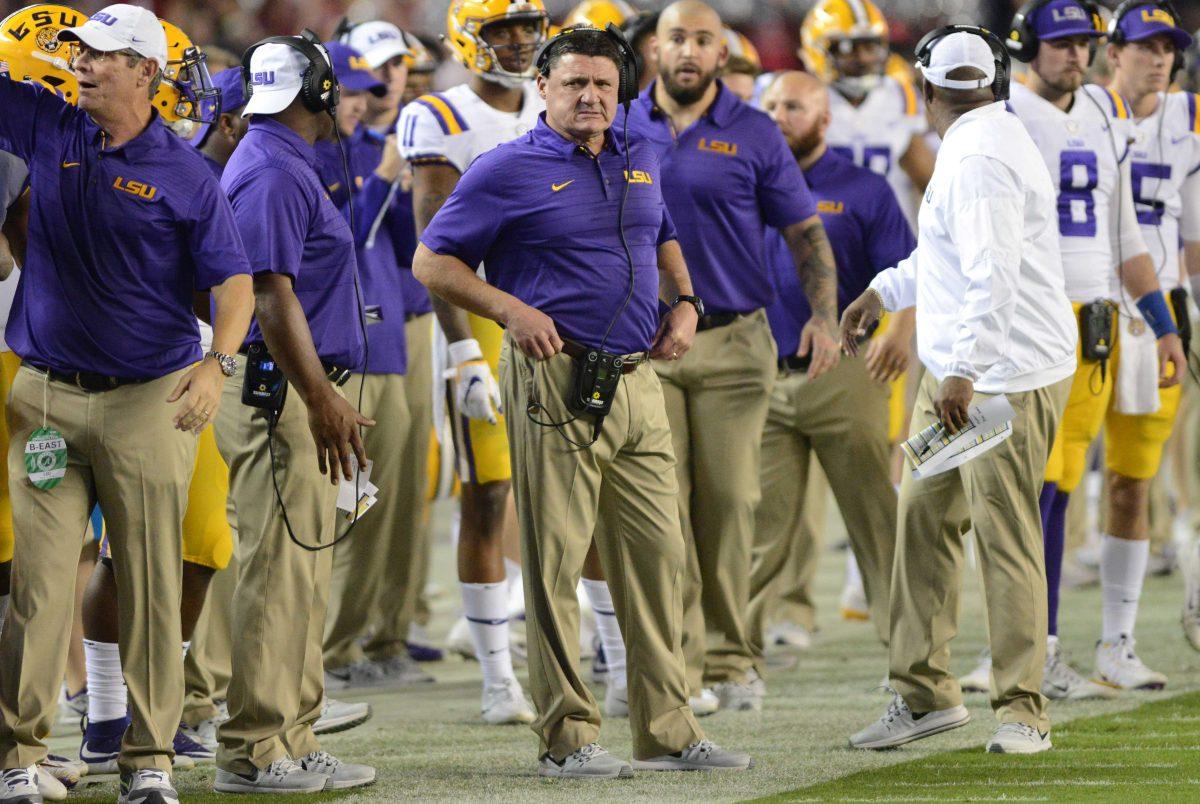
(1024, 728)
(588, 753)
(319, 759)
(702, 749)
(896, 708)
(151, 775)
(282, 767)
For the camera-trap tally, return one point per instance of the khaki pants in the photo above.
(842, 418)
(278, 683)
(206, 667)
(794, 594)
(561, 490)
(717, 396)
(377, 572)
(124, 452)
(996, 493)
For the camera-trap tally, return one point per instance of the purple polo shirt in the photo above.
(726, 178)
(541, 213)
(378, 269)
(866, 229)
(119, 240)
(291, 227)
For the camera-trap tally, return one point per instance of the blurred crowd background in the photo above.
(772, 25)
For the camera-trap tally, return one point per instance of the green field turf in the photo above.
(428, 744)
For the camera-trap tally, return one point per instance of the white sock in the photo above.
(516, 588)
(486, 608)
(609, 630)
(1122, 571)
(105, 684)
(853, 576)
(3, 611)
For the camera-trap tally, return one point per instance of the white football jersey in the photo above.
(1085, 149)
(876, 134)
(455, 127)
(1165, 156)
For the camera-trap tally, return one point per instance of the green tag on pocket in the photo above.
(46, 458)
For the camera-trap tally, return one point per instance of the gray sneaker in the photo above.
(702, 755)
(363, 674)
(590, 762)
(899, 725)
(340, 716)
(281, 776)
(745, 696)
(402, 670)
(147, 786)
(339, 775)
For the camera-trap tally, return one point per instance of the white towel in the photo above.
(1136, 391)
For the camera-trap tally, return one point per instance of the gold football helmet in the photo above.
(30, 50)
(599, 13)
(838, 24)
(186, 95)
(465, 21)
(740, 45)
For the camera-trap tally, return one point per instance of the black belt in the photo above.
(714, 320)
(628, 366)
(88, 381)
(333, 372)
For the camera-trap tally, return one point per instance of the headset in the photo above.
(1023, 40)
(319, 90)
(627, 85)
(1003, 61)
(1117, 37)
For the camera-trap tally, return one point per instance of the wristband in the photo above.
(1153, 308)
(465, 350)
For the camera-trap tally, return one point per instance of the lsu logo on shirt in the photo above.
(830, 207)
(638, 177)
(138, 188)
(718, 147)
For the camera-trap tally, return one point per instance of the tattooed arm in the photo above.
(432, 185)
(813, 255)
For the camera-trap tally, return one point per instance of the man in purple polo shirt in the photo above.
(301, 252)
(125, 224)
(727, 174)
(842, 417)
(541, 212)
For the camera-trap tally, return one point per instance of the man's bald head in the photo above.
(691, 49)
(799, 104)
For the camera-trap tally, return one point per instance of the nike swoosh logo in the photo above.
(1060, 687)
(1177, 140)
(70, 164)
(91, 756)
(557, 187)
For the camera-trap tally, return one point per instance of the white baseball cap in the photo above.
(378, 42)
(122, 27)
(276, 75)
(959, 49)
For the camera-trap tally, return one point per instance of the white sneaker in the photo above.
(459, 640)
(71, 710)
(1189, 564)
(340, 716)
(147, 786)
(616, 701)
(702, 755)
(1118, 666)
(899, 726)
(979, 679)
(788, 634)
(203, 733)
(590, 762)
(338, 775)
(67, 772)
(704, 704)
(20, 785)
(1017, 738)
(50, 786)
(281, 776)
(746, 696)
(1061, 682)
(853, 604)
(504, 703)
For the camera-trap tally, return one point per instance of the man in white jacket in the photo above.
(993, 318)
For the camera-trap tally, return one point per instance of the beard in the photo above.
(686, 96)
(806, 143)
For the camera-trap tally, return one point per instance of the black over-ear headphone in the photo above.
(999, 53)
(319, 90)
(1117, 37)
(627, 86)
(1023, 40)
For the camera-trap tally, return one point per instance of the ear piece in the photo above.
(319, 90)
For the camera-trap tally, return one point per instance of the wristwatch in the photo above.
(226, 362)
(692, 300)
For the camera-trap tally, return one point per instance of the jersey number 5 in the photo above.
(1078, 177)
(1149, 210)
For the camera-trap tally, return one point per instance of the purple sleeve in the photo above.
(214, 240)
(26, 108)
(890, 237)
(468, 223)
(272, 215)
(783, 195)
(667, 230)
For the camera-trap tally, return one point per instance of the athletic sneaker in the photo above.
(50, 786)
(420, 652)
(67, 771)
(788, 634)
(1189, 564)
(745, 696)
(704, 704)
(459, 640)
(599, 662)
(362, 674)
(1118, 666)
(102, 743)
(616, 701)
(147, 786)
(1061, 682)
(281, 776)
(1017, 738)
(899, 725)
(402, 669)
(504, 703)
(204, 733)
(702, 755)
(853, 604)
(979, 679)
(590, 762)
(185, 746)
(20, 785)
(340, 716)
(338, 775)
(72, 709)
